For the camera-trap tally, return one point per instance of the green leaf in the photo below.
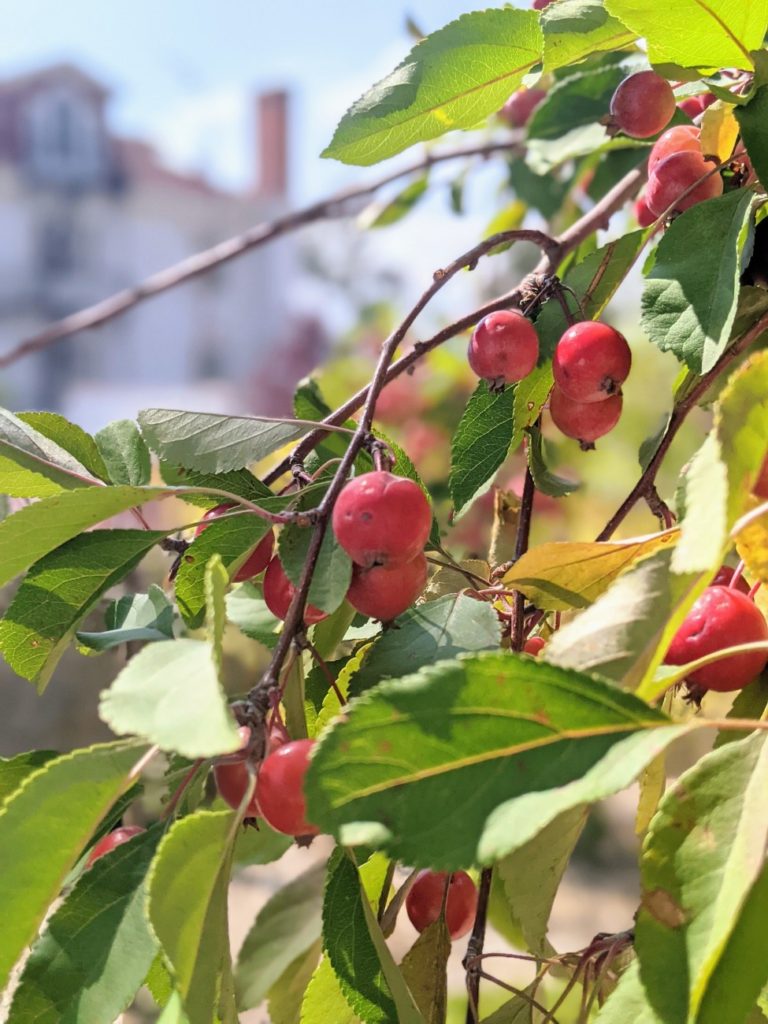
(364, 966)
(13, 770)
(287, 926)
(750, 703)
(44, 827)
(581, 99)
(333, 573)
(33, 531)
(569, 574)
(170, 694)
(233, 538)
(544, 480)
(324, 1001)
(212, 442)
(451, 79)
(507, 743)
(216, 583)
(125, 453)
(287, 994)
(187, 906)
(73, 439)
(383, 214)
(530, 396)
(31, 464)
(628, 1001)
(424, 971)
(753, 122)
(96, 949)
(575, 29)
(691, 291)
(133, 618)
(237, 481)
(260, 845)
(705, 885)
(532, 875)
(173, 1013)
(246, 609)
(480, 443)
(431, 632)
(59, 591)
(694, 34)
(542, 192)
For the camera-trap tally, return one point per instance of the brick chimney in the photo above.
(272, 114)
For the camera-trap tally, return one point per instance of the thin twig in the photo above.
(193, 266)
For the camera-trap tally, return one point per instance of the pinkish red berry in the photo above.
(642, 105)
(232, 782)
(724, 577)
(257, 561)
(384, 592)
(279, 591)
(695, 105)
(591, 362)
(668, 185)
(534, 645)
(280, 789)
(675, 140)
(425, 901)
(504, 347)
(520, 106)
(643, 215)
(584, 421)
(381, 519)
(111, 840)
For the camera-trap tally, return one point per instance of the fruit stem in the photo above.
(177, 794)
(475, 947)
(322, 664)
(754, 590)
(737, 574)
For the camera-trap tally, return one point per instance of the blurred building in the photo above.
(85, 213)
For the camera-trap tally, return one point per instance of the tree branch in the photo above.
(191, 267)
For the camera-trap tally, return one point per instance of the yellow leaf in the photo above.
(652, 784)
(564, 575)
(752, 544)
(719, 131)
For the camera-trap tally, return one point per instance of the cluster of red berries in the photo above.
(678, 175)
(383, 521)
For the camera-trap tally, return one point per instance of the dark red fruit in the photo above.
(592, 361)
(381, 519)
(761, 484)
(232, 781)
(384, 592)
(674, 175)
(279, 591)
(721, 617)
(259, 558)
(534, 646)
(504, 347)
(725, 576)
(643, 215)
(642, 105)
(112, 839)
(695, 105)
(520, 105)
(539, 5)
(584, 421)
(425, 900)
(280, 789)
(675, 140)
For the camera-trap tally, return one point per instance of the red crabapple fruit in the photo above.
(384, 592)
(584, 421)
(534, 646)
(674, 140)
(761, 484)
(232, 781)
(112, 839)
(539, 5)
(721, 617)
(504, 347)
(674, 175)
(381, 519)
(643, 215)
(695, 105)
(642, 105)
(279, 591)
(257, 561)
(591, 362)
(425, 901)
(280, 789)
(724, 577)
(520, 106)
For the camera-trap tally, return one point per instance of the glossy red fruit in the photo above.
(425, 900)
(642, 105)
(381, 519)
(112, 839)
(591, 362)
(724, 577)
(384, 592)
(504, 347)
(643, 215)
(539, 5)
(760, 488)
(259, 558)
(280, 789)
(674, 140)
(279, 591)
(520, 106)
(232, 783)
(534, 646)
(695, 105)
(585, 422)
(721, 617)
(674, 175)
